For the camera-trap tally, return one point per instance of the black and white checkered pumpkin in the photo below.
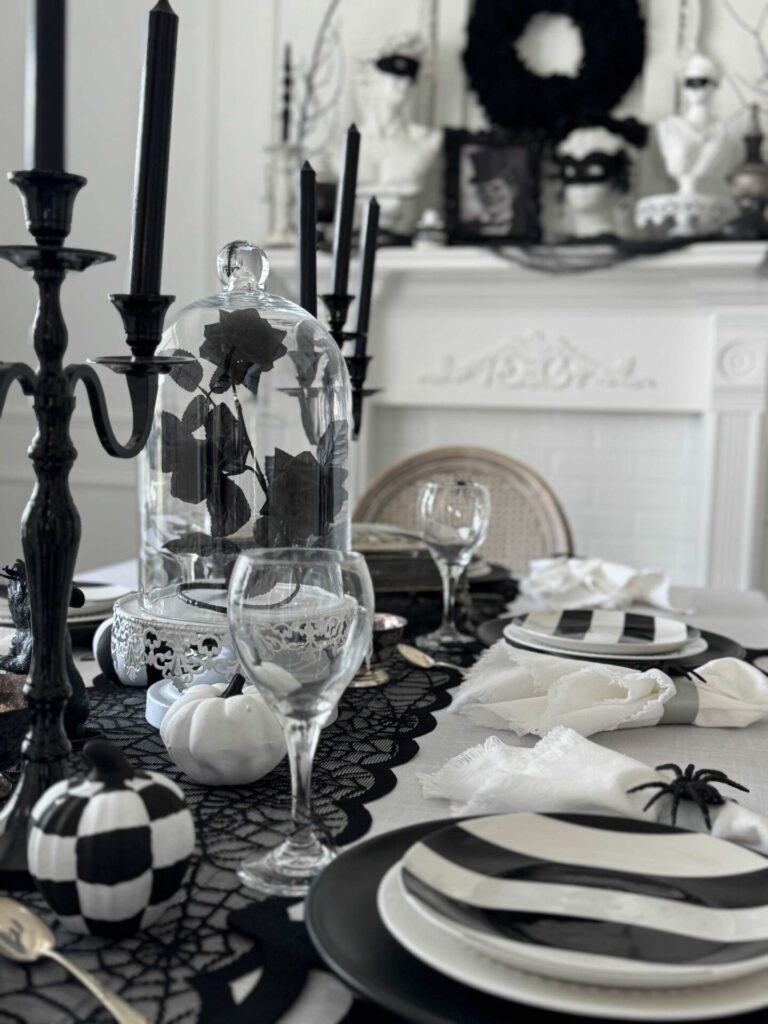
(109, 850)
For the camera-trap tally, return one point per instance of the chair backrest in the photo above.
(526, 518)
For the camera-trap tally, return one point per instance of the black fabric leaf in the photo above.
(220, 382)
(188, 375)
(200, 469)
(170, 430)
(189, 480)
(185, 459)
(195, 413)
(333, 446)
(243, 345)
(227, 505)
(305, 358)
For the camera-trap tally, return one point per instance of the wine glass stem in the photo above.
(301, 736)
(450, 575)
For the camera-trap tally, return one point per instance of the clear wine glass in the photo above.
(301, 620)
(453, 520)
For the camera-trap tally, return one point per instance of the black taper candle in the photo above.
(345, 212)
(287, 94)
(370, 237)
(151, 182)
(307, 239)
(44, 93)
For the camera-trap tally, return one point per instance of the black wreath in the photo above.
(613, 32)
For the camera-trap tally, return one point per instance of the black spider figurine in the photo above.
(690, 785)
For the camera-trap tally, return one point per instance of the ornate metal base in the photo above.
(147, 647)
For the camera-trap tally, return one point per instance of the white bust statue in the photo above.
(694, 148)
(594, 165)
(395, 153)
(694, 144)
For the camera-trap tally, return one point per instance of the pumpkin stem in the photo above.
(234, 686)
(108, 764)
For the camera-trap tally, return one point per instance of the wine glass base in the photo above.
(369, 677)
(286, 870)
(441, 640)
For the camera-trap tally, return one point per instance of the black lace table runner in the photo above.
(185, 969)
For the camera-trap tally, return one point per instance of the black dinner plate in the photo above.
(345, 927)
(717, 647)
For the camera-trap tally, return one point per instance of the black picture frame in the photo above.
(495, 215)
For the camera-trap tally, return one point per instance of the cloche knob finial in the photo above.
(242, 266)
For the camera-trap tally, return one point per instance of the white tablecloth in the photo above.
(742, 753)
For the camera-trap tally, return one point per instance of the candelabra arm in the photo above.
(12, 372)
(143, 392)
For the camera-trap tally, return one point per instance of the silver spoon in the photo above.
(423, 660)
(24, 937)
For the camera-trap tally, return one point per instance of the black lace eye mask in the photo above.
(595, 168)
(398, 64)
(698, 83)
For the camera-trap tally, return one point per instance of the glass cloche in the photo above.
(250, 441)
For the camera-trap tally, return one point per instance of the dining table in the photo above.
(222, 954)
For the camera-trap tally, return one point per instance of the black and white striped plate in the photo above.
(595, 900)
(604, 632)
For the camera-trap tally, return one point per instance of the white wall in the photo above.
(221, 122)
(223, 119)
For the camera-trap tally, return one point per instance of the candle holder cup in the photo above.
(338, 311)
(358, 370)
(357, 364)
(51, 523)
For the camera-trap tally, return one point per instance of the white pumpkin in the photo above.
(222, 740)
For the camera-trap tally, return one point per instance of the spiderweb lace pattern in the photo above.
(376, 731)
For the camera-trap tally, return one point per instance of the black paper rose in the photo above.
(242, 345)
(305, 493)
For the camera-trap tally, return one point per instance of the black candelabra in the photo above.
(357, 363)
(51, 524)
(338, 300)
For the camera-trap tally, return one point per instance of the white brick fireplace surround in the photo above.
(639, 393)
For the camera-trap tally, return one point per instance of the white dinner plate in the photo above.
(599, 900)
(606, 632)
(99, 603)
(451, 956)
(522, 639)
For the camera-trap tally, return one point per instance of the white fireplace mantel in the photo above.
(648, 380)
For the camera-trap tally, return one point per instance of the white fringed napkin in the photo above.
(566, 773)
(532, 693)
(564, 582)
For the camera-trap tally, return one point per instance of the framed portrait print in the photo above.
(492, 187)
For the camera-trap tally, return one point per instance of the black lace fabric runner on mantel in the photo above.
(184, 969)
